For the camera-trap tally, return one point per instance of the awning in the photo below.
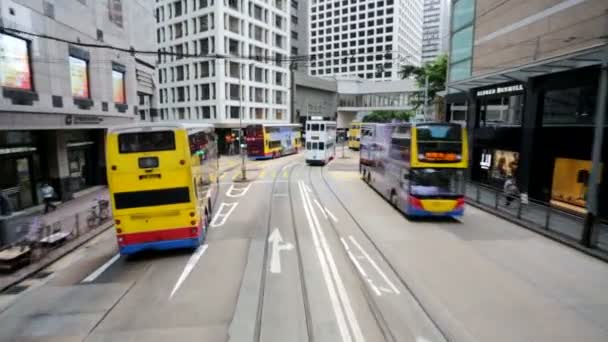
(579, 59)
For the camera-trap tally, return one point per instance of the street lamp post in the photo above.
(241, 112)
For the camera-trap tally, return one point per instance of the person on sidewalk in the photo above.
(48, 193)
(511, 190)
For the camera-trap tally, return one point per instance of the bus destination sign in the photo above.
(441, 157)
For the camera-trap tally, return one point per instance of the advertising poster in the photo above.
(79, 77)
(118, 86)
(14, 63)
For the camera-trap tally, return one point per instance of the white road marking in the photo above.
(335, 303)
(277, 246)
(239, 191)
(342, 294)
(189, 266)
(373, 263)
(320, 208)
(279, 195)
(358, 266)
(91, 277)
(269, 181)
(223, 217)
(333, 217)
(307, 188)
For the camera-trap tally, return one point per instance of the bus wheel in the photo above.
(394, 199)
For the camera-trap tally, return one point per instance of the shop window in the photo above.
(570, 106)
(570, 181)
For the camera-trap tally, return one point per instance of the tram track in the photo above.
(265, 266)
(369, 296)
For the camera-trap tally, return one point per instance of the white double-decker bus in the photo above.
(320, 142)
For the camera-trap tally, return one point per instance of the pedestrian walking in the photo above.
(48, 193)
(511, 190)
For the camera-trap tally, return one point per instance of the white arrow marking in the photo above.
(277, 246)
(307, 188)
(189, 266)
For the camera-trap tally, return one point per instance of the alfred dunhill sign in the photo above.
(500, 90)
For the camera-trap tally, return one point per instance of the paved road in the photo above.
(312, 254)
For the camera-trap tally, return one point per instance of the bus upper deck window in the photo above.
(308, 145)
(314, 146)
(322, 127)
(146, 141)
(314, 127)
(321, 146)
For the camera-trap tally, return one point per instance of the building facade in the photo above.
(526, 80)
(224, 61)
(58, 97)
(367, 39)
(434, 33)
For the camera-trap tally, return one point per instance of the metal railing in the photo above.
(38, 235)
(541, 215)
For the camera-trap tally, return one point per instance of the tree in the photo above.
(383, 116)
(436, 72)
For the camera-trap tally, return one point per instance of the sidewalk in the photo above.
(541, 217)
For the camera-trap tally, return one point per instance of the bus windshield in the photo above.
(146, 141)
(436, 182)
(439, 138)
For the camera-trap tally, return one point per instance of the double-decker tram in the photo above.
(418, 168)
(162, 180)
(265, 141)
(320, 142)
(354, 135)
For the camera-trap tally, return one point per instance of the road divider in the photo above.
(91, 277)
(188, 268)
(223, 212)
(237, 192)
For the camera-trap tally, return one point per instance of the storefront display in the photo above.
(570, 178)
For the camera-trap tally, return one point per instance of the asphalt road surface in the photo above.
(303, 253)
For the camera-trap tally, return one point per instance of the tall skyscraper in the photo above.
(434, 35)
(249, 78)
(369, 39)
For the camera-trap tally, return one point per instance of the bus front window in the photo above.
(434, 183)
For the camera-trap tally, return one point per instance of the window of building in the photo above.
(118, 84)
(79, 77)
(115, 12)
(234, 112)
(462, 43)
(294, 35)
(15, 69)
(234, 91)
(574, 105)
(294, 19)
(235, 70)
(460, 70)
(501, 111)
(463, 13)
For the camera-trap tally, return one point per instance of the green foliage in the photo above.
(436, 72)
(383, 116)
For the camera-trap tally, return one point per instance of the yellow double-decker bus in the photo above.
(162, 180)
(418, 168)
(266, 141)
(354, 135)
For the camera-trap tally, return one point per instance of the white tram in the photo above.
(320, 141)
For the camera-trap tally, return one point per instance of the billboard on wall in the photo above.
(79, 77)
(15, 69)
(118, 86)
